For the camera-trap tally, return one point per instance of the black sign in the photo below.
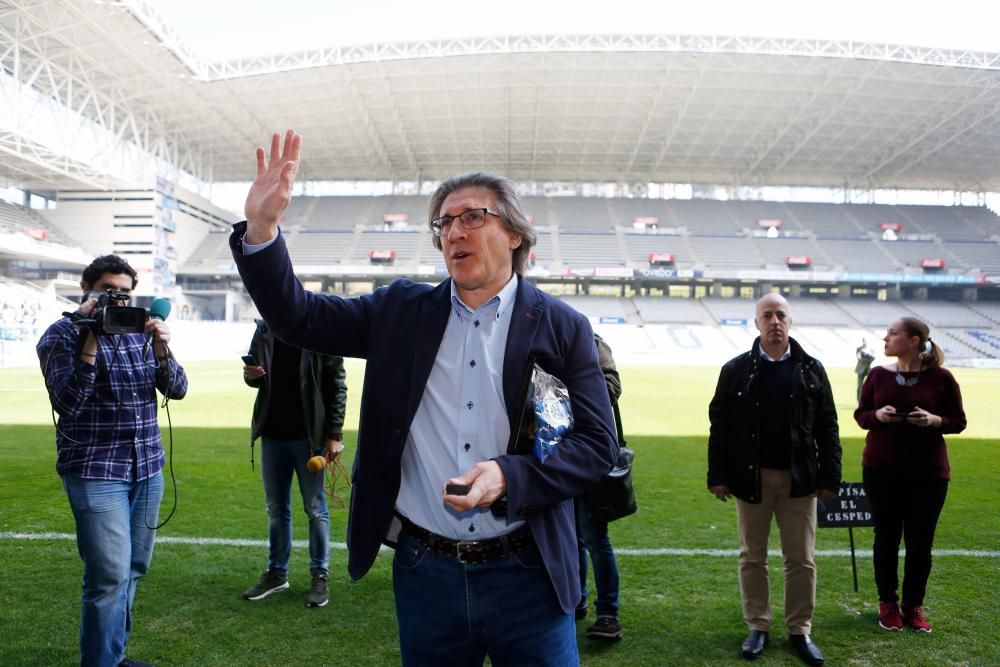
(849, 509)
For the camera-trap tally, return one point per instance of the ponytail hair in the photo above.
(930, 353)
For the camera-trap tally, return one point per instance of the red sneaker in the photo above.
(914, 617)
(889, 616)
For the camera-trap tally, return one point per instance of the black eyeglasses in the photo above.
(474, 218)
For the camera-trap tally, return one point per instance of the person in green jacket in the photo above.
(865, 356)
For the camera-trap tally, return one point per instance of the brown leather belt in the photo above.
(474, 552)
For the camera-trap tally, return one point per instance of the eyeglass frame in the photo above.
(438, 227)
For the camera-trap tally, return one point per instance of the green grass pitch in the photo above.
(676, 609)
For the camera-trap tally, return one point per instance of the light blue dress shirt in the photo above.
(461, 419)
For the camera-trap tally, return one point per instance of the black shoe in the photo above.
(806, 649)
(753, 646)
(606, 628)
(319, 592)
(132, 662)
(269, 582)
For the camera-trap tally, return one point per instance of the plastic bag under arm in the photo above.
(553, 414)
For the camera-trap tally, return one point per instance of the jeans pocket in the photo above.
(529, 559)
(409, 554)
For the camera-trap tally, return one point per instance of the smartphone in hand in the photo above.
(457, 489)
(249, 360)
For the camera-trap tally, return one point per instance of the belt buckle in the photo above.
(470, 545)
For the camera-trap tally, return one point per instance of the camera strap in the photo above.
(78, 318)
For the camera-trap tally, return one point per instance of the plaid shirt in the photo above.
(107, 412)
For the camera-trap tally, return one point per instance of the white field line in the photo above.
(727, 553)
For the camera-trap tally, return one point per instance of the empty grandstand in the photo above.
(644, 162)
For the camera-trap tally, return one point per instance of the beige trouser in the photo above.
(797, 527)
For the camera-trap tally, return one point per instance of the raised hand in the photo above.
(272, 188)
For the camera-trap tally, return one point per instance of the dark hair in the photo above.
(931, 355)
(508, 206)
(107, 264)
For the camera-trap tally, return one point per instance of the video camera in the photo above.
(113, 319)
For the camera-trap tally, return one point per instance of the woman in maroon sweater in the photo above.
(906, 407)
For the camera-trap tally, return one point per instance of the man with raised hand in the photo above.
(774, 444)
(444, 367)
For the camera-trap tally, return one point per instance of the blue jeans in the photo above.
(592, 536)
(279, 460)
(451, 613)
(114, 536)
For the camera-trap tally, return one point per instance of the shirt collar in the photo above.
(764, 355)
(503, 299)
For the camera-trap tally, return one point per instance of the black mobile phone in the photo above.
(903, 415)
(457, 489)
(249, 360)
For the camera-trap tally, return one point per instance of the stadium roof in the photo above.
(600, 108)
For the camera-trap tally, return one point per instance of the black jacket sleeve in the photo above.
(255, 351)
(826, 433)
(719, 415)
(334, 395)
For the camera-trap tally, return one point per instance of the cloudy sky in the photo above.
(228, 29)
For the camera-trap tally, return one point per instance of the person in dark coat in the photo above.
(593, 536)
(298, 414)
(774, 444)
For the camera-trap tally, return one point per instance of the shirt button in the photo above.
(469, 405)
(468, 446)
(472, 529)
(472, 363)
(476, 323)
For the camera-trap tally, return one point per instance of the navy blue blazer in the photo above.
(398, 329)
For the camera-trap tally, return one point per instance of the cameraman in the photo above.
(109, 453)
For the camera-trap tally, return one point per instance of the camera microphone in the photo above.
(159, 309)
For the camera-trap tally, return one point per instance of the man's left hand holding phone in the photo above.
(252, 370)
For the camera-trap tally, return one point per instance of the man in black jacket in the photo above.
(774, 444)
(592, 534)
(299, 413)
